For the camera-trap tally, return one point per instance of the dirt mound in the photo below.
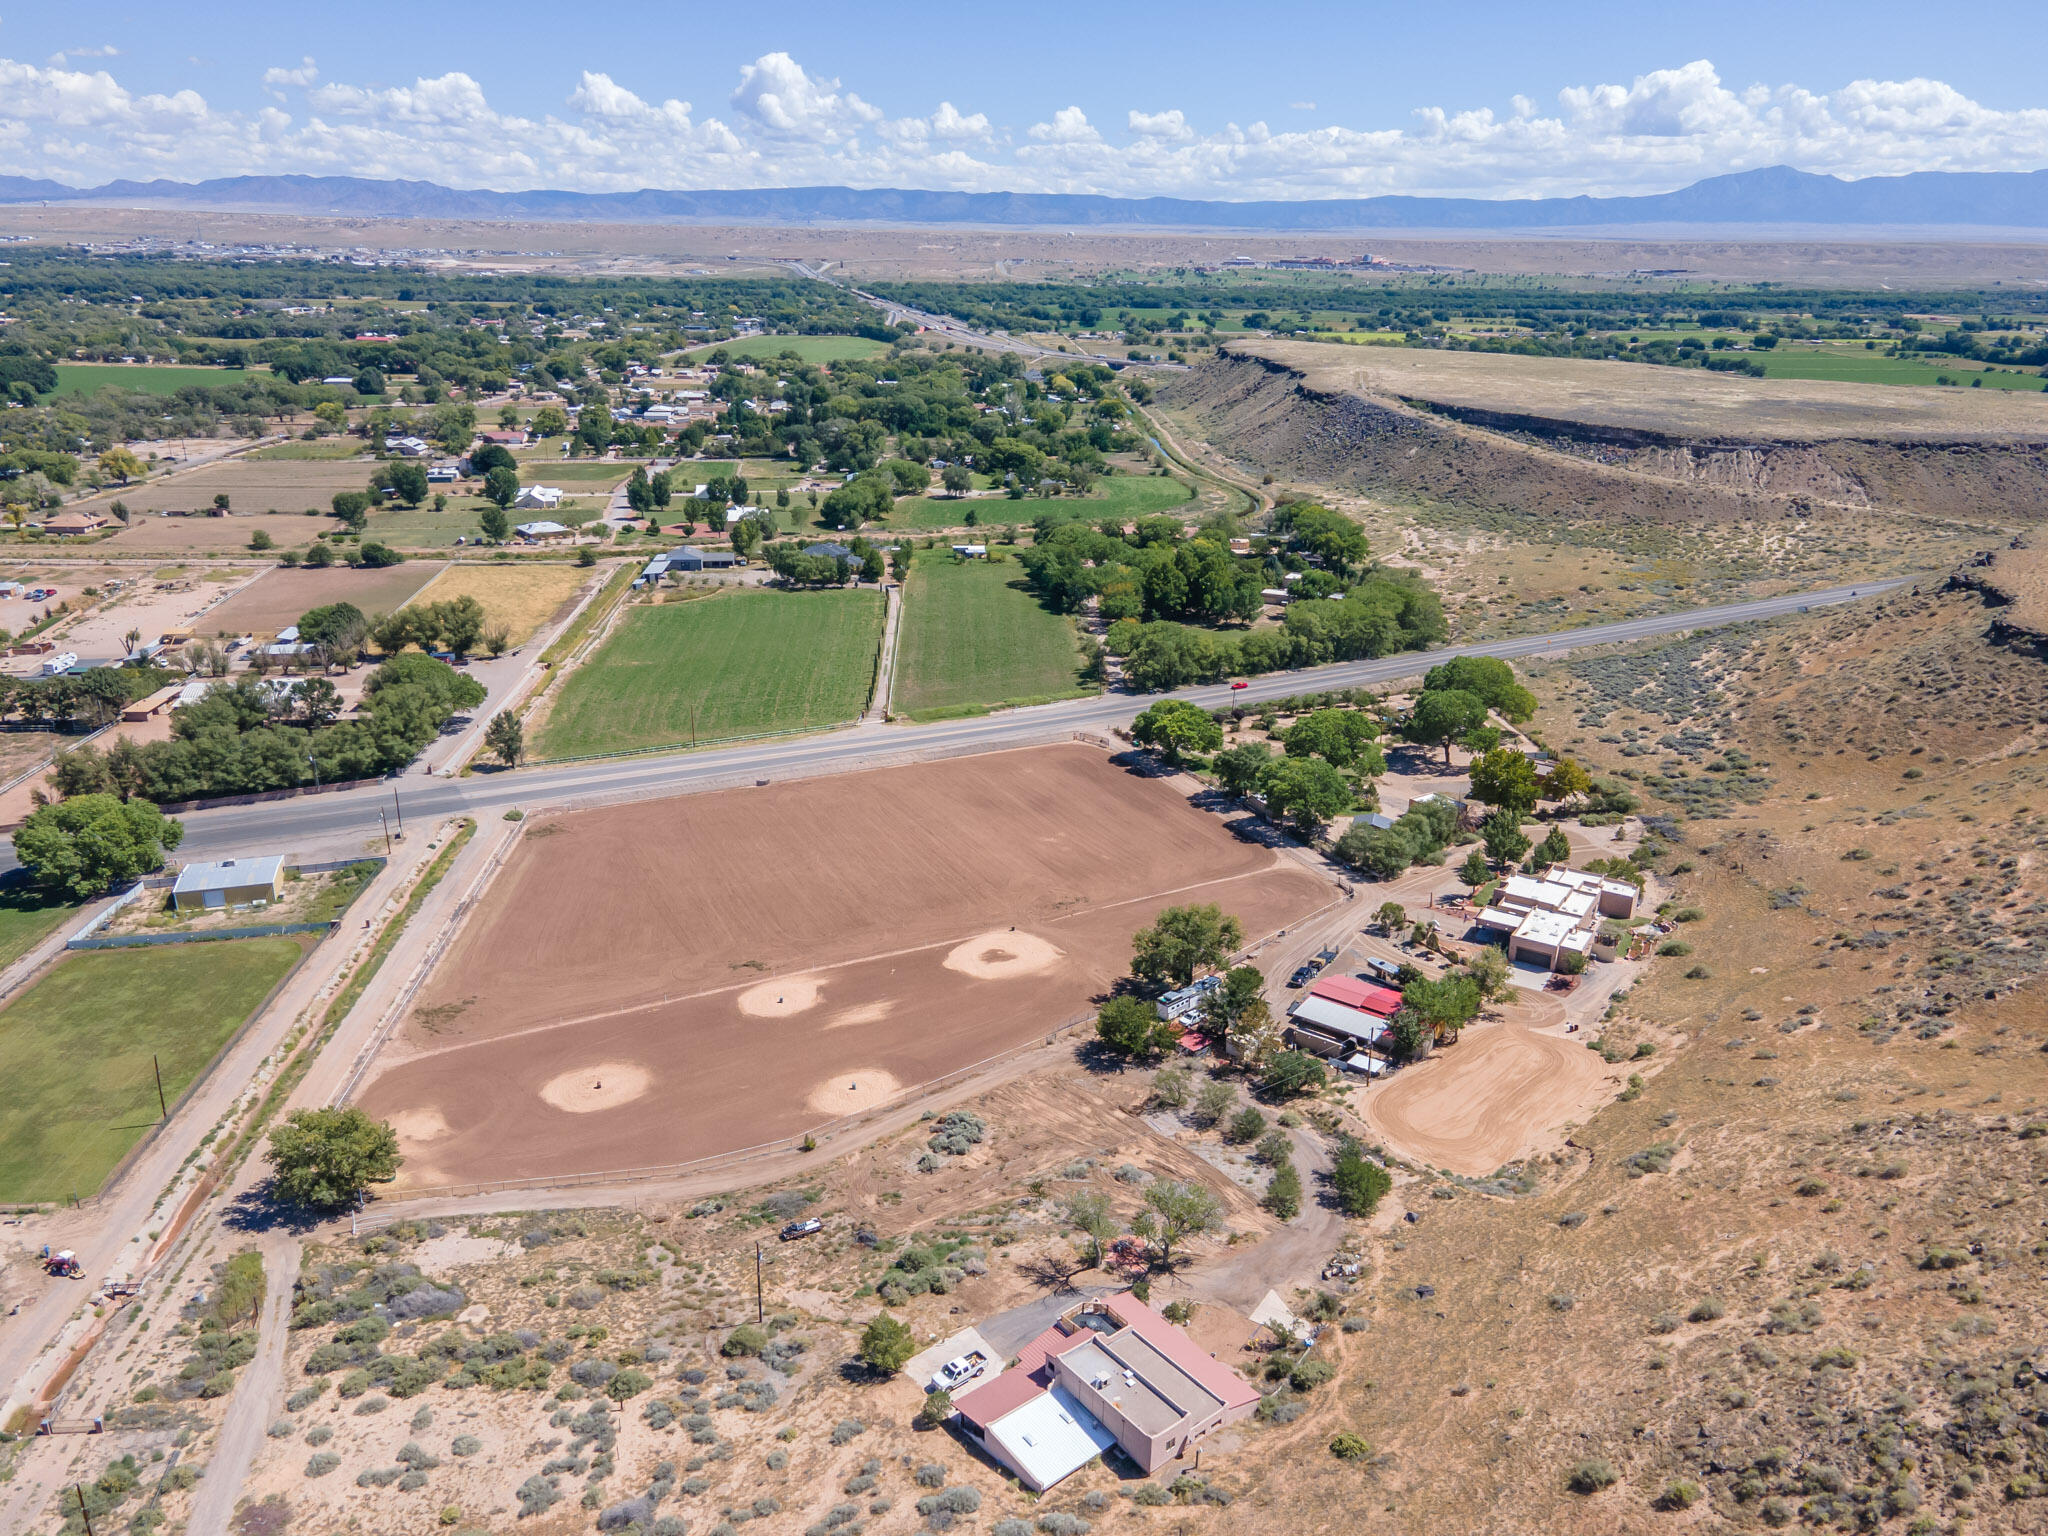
(850, 1092)
(781, 999)
(1490, 436)
(1002, 955)
(605, 1085)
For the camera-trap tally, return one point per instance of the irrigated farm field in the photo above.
(736, 664)
(972, 635)
(672, 979)
(277, 598)
(1120, 496)
(80, 1089)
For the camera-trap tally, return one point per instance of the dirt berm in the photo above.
(1565, 437)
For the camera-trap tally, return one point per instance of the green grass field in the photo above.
(580, 472)
(424, 528)
(154, 379)
(972, 636)
(319, 449)
(27, 917)
(1860, 367)
(811, 349)
(79, 1090)
(1125, 496)
(745, 662)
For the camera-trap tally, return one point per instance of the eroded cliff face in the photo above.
(1405, 448)
(2014, 582)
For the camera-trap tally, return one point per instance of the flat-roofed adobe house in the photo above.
(1545, 917)
(1108, 1372)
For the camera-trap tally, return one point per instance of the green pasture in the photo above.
(150, 378)
(809, 349)
(972, 635)
(1125, 496)
(729, 664)
(80, 1088)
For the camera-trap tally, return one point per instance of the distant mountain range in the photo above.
(1776, 196)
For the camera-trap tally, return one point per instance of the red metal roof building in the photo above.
(1354, 993)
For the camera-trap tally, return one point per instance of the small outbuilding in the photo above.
(228, 883)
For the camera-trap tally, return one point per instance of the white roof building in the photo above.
(539, 497)
(1557, 913)
(1051, 1436)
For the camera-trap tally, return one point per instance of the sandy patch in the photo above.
(1500, 1093)
(604, 1085)
(850, 1092)
(1003, 953)
(451, 1248)
(419, 1125)
(780, 999)
(866, 1013)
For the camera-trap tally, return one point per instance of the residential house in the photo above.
(1109, 1372)
(544, 532)
(538, 498)
(73, 523)
(1545, 918)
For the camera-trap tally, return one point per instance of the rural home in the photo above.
(1340, 1016)
(1108, 1372)
(71, 524)
(539, 498)
(1544, 918)
(543, 532)
(505, 437)
(228, 883)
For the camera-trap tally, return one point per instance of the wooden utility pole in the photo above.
(163, 1109)
(760, 1311)
(83, 1513)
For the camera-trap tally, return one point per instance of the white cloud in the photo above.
(304, 75)
(789, 126)
(1171, 126)
(1301, 106)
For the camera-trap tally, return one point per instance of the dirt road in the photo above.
(258, 1396)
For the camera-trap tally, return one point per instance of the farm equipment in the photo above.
(64, 1265)
(1343, 1267)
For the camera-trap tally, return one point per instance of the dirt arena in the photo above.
(667, 980)
(1503, 1092)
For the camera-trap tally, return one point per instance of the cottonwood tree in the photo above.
(326, 1157)
(1306, 791)
(84, 846)
(1183, 940)
(1492, 679)
(1359, 1182)
(1177, 727)
(1132, 1027)
(1506, 780)
(1442, 716)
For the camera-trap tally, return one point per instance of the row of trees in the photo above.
(244, 738)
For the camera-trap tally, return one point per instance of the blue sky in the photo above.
(1197, 99)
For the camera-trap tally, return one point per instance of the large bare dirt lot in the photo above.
(279, 596)
(667, 980)
(1014, 255)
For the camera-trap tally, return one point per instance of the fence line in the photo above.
(203, 936)
(261, 796)
(449, 930)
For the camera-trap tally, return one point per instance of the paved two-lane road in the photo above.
(313, 821)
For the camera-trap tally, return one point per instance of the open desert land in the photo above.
(84, 1042)
(1714, 253)
(973, 635)
(522, 597)
(661, 982)
(713, 665)
(275, 599)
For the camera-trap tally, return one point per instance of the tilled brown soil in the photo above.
(749, 964)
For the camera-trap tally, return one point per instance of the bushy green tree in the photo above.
(324, 1158)
(1306, 791)
(87, 845)
(1238, 769)
(1292, 1073)
(1505, 840)
(1132, 1027)
(1177, 727)
(886, 1345)
(1492, 679)
(1359, 1182)
(1506, 780)
(1183, 940)
(1442, 716)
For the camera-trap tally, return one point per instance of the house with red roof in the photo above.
(1109, 1372)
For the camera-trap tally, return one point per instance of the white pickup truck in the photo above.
(958, 1372)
